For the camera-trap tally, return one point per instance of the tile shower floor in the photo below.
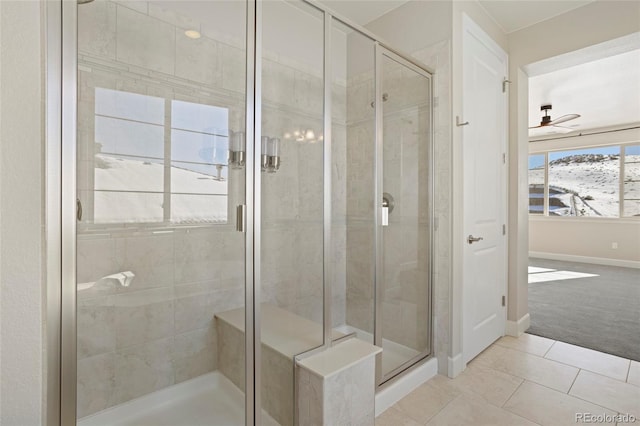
(528, 380)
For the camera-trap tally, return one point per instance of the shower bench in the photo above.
(284, 335)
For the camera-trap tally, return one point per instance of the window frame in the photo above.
(621, 176)
(165, 224)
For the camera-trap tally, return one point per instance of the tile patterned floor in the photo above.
(528, 380)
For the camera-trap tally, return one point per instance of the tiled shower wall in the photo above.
(160, 330)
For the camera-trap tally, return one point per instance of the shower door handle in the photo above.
(241, 218)
(385, 216)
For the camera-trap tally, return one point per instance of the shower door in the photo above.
(162, 160)
(404, 188)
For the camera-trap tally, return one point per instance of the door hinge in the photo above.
(504, 229)
(504, 158)
(505, 81)
(504, 301)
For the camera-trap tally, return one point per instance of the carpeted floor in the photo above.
(600, 312)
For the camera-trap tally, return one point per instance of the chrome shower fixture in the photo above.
(237, 149)
(123, 279)
(270, 154)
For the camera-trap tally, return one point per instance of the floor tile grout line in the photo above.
(524, 379)
(440, 410)
(553, 360)
(626, 380)
(522, 417)
(589, 350)
(574, 381)
(592, 402)
(549, 350)
(607, 377)
(585, 369)
(558, 362)
(512, 393)
(520, 350)
(568, 394)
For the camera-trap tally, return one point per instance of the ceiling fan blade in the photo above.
(535, 127)
(564, 118)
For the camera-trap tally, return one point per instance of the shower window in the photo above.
(159, 160)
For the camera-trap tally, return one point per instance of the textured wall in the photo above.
(21, 199)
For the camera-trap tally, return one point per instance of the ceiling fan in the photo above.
(547, 121)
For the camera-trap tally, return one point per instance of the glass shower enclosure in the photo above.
(248, 181)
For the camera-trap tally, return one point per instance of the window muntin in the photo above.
(536, 183)
(147, 170)
(631, 181)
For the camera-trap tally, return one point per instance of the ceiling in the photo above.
(510, 15)
(515, 15)
(605, 92)
(362, 11)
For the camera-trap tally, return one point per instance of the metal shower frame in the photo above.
(60, 163)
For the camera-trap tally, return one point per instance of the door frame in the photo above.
(380, 53)
(470, 27)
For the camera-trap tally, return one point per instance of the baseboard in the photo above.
(456, 366)
(403, 386)
(517, 328)
(586, 259)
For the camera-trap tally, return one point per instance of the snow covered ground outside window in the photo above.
(586, 183)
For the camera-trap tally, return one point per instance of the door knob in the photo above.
(471, 239)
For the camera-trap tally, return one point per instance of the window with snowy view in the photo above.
(585, 182)
(158, 160)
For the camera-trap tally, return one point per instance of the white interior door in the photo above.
(484, 147)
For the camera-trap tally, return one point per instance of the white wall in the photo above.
(594, 23)
(21, 223)
(592, 239)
